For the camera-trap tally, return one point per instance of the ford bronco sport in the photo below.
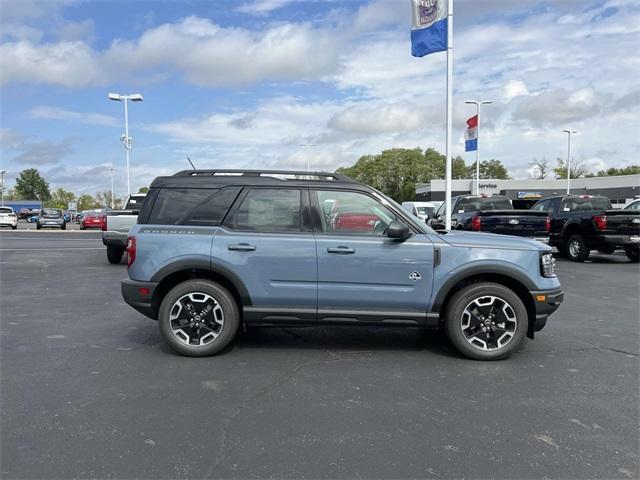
(217, 249)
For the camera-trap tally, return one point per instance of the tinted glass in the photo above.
(5, 210)
(577, 204)
(269, 210)
(482, 203)
(633, 206)
(192, 206)
(352, 213)
(540, 206)
(51, 212)
(426, 211)
(135, 202)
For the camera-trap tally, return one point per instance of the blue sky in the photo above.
(244, 83)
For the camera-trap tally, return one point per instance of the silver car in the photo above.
(51, 218)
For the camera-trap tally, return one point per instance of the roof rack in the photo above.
(277, 174)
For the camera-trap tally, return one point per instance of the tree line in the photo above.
(31, 185)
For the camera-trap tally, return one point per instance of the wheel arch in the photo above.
(512, 279)
(570, 228)
(183, 270)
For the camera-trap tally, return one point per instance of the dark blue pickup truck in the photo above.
(493, 214)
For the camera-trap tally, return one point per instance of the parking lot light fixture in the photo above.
(2, 174)
(569, 132)
(126, 139)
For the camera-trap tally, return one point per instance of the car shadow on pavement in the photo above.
(608, 259)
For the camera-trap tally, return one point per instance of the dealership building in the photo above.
(523, 193)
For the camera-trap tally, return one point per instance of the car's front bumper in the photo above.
(545, 302)
(140, 296)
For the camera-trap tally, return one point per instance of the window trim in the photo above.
(305, 226)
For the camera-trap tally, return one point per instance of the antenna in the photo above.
(192, 165)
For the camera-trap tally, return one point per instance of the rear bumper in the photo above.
(140, 296)
(114, 239)
(620, 239)
(546, 302)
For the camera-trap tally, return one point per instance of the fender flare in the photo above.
(204, 263)
(473, 270)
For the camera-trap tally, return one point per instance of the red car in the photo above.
(92, 220)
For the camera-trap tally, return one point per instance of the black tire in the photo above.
(38, 227)
(82, 227)
(14, 227)
(114, 255)
(580, 251)
(64, 226)
(467, 343)
(607, 249)
(633, 253)
(227, 330)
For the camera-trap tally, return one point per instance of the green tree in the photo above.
(143, 190)
(540, 168)
(30, 185)
(87, 202)
(104, 200)
(578, 169)
(60, 198)
(397, 171)
(629, 170)
(489, 169)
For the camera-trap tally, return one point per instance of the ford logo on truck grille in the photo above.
(514, 221)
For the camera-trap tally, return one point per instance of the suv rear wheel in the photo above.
(198, 318)
(486, 321)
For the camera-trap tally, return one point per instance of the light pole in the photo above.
(2, 172)
(477, 103)
(126, 139)
(569, 132)
(112, 192)
(308, 145)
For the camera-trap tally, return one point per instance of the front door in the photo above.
(268, 243)
(363, 275)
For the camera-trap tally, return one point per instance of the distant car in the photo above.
(32, 219)
(422, 210)
(92, 220)
(66, 216)
(51, 218)
(635, 205)
(8, 218)
(24, 213)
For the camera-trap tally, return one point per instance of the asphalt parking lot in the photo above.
(90, 391)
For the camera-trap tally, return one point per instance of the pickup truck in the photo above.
(117, 224)
(581, 223)
(493, 214)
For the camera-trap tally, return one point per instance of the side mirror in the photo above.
(398, 230)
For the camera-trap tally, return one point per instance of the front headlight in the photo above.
(547, 265)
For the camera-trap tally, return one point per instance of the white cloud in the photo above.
(514, 88)
(377, 119)
(262, 7)
(91, 118)
(559, 107)
(42, 152)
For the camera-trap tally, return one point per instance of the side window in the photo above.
(269, 210)
(440, 211)
(192, 206)
(541, 206)
(352, 213)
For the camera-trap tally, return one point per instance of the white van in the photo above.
(422, 210)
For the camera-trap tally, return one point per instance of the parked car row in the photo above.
(574, 224)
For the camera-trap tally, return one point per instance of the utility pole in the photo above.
(477, 103)
(112, 191)
(2, 172)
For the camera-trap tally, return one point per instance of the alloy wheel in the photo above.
(574, 248)
(488, 323)
(196, 319)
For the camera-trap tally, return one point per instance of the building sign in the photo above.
(72, 206)
(529, 195)
(488, 185)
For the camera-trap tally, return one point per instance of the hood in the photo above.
(492, 240)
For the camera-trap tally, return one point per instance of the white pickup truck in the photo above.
(116, 227)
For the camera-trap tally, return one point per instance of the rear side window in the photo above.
(192, 206)
(475, 204)
(6, 210)
(269, 210)
(585, 204)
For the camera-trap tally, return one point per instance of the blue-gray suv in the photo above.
(217, 249)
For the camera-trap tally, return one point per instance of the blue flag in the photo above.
(429, 27)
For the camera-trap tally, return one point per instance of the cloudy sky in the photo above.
(242, 84)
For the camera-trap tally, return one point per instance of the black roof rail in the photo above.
(294, 174)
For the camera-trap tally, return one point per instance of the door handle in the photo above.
(241, 247)
(341, 250)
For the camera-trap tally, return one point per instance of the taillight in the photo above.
(600, 222)
(131, 251)
(103, 223)
(547, 224)
(476, 224)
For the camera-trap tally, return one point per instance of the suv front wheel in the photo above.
(486, 321)
(198, 318)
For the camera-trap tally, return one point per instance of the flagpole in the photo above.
(448, 165)
(478, 151)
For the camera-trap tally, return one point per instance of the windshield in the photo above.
(6, 210)
(407, 218)
(577, 204)
(428, 211)
(474, 204)
(135, 202)
(51, 213)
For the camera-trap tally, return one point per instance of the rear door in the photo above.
(363, 275)
(267, 242)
